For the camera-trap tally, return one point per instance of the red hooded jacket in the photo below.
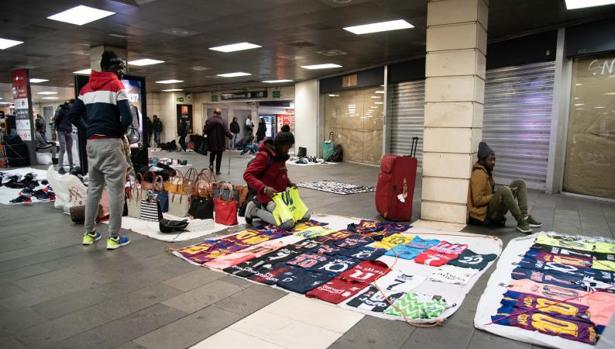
(267, 170)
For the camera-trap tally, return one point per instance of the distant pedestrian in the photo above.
(249, 125)
(147, 131)
(64, 129)
(216, 129)
(234, 130)
(261, 132)
(183, 131)
(157, 127)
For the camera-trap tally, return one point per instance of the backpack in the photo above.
(337, 155)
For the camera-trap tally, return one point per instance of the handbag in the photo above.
(162, 195)
(133, 200)
(175, 184)
(179, 204)
(190, 179)
(168, 226)
(242, 193)
(225, 206)
(201, 208)
(145, 185)
(150, 208)
(204, 182)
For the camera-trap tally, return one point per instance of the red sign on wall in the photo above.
(23, 106)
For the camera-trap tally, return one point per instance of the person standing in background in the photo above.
(216, 129)
(261, 132)
(249, 126)
(11, 125)
(42, 146)
(147, 131)
(64, 129)
(182, 131)
(104, 103)
(234, 130)
(157, 127)
(39, 124)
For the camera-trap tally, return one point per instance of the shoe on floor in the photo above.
(91, 238)
(524, 227)
(62, 171)
(22, 199)
(117, 242)
(532, 222)
(250, 211)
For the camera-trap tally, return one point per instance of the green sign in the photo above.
(180, 99)
(275, 94)
(214, 98)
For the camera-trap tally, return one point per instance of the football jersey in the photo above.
(366, 271)
(452, 275)
(554, 307)
(604, 247)
(307, 260)
(603, 264)
(418, 306)
(562, 251)
(390, 241)
(263, 263)
(354, 241)
(433, 258)
(537, 321)
(374, 300)
(399, 282)
(305, 245)
(301, 280)
(567, 243)
(312, 232)
(270, 275)
(363, 253)
(337, 290)
(335, 236)
(413, 248)
(365, 227)
(544, 256)
(327, 248)
(245, 254)
(336, 264)
(552, 267)
(445, 247)
(541, 277)
(473, 260)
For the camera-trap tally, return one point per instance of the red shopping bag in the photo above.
(225, 207)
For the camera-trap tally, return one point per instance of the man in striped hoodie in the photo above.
(103, 111)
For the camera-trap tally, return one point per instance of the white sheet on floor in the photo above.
(490, 300)
(8, 194)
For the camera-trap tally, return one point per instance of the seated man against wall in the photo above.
(42, 146)
(487, 206)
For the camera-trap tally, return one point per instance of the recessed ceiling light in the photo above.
(332, 53)
(36, 80)
(333, 95)
(276, 81)
(578, 84)
(575, 4)
(47, 93)
(599, 107)
(381, 92)
(378, 102)
(376, 97)
(145, 61)
(6, 43)
(610, 93)
(49, 97)
(321, 66)
(579, 104)
(173, 90)
(199, 68)
(83, 72)
(170, 81)
(233, 75)
(80, 15)
(379, 27)
(240, 46)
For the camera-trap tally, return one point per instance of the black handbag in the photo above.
(201, 208)
(170, 226)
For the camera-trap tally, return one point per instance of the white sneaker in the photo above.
(250, 211)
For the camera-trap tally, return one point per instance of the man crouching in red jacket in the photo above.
(266, 175)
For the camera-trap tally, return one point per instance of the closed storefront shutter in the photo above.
(407, 106)
(517, 121)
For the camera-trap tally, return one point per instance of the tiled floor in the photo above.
(55, 293)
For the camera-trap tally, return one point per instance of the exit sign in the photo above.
(214, 98)
(275, 94)
(180, 99)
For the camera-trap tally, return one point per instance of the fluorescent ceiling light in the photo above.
(36, 80)
(575, 4)
(378, 102)
(240, 46)
(6, 43)
(49, 97)
(376, 97)
(276, 81)
(579, 104)
(379, 27)
(332, 95)
(173, 90)
(48, 93)
(610, 93)
(321, 66)
(145, 61)
(81, 15)
(170, 81)
(233, 75)
(381, 92)
(578, 84)
(83, 72)
(599, 107)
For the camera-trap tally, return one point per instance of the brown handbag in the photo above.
(175, 184)
(190, 179)
(204, 183)
(145, 185)
(243, 191)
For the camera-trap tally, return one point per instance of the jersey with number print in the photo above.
(412, 249)
(336, 264)
(366, 272)
(301, 280)
(363, 253)
(473, 260)
(557, 308)
(374, 300)
(337, 290)
(545, 256)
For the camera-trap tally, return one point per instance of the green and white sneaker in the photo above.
(524, 227)
(532, 222)
(117, 242)
(91, 238)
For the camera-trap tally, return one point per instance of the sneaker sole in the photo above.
(115, 248)
(95, 241)
(535, 225)
(524, 231)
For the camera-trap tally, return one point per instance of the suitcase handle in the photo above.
(415, 144)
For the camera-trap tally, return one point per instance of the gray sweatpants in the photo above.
(106, 166)
(66, 146)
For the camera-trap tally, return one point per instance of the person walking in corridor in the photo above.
(261, 131)
(64, 129)
(157, 127)
(234, 130)
(487, 205)
(215, 129)
(182, 131)
(103, 101)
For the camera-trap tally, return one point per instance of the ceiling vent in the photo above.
(332, 53)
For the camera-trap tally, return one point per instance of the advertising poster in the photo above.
(286, 119)
(184, 112)
(23, 107)
(134, 89)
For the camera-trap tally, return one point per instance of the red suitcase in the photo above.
(395, 188)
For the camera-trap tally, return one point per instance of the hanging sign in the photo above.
(244, 95)
(23, 105)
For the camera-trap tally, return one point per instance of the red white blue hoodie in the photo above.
(102, 108)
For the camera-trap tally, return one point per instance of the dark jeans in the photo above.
(182, 142)
(512, 198)
(217, 156)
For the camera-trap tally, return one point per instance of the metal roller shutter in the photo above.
(517, 121)
(406, 110)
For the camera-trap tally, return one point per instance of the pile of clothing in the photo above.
(336, 187)
(30, 188)
(306, 160)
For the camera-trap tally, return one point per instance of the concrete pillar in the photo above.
(306, 116)
(97, 51)
(454, 98)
